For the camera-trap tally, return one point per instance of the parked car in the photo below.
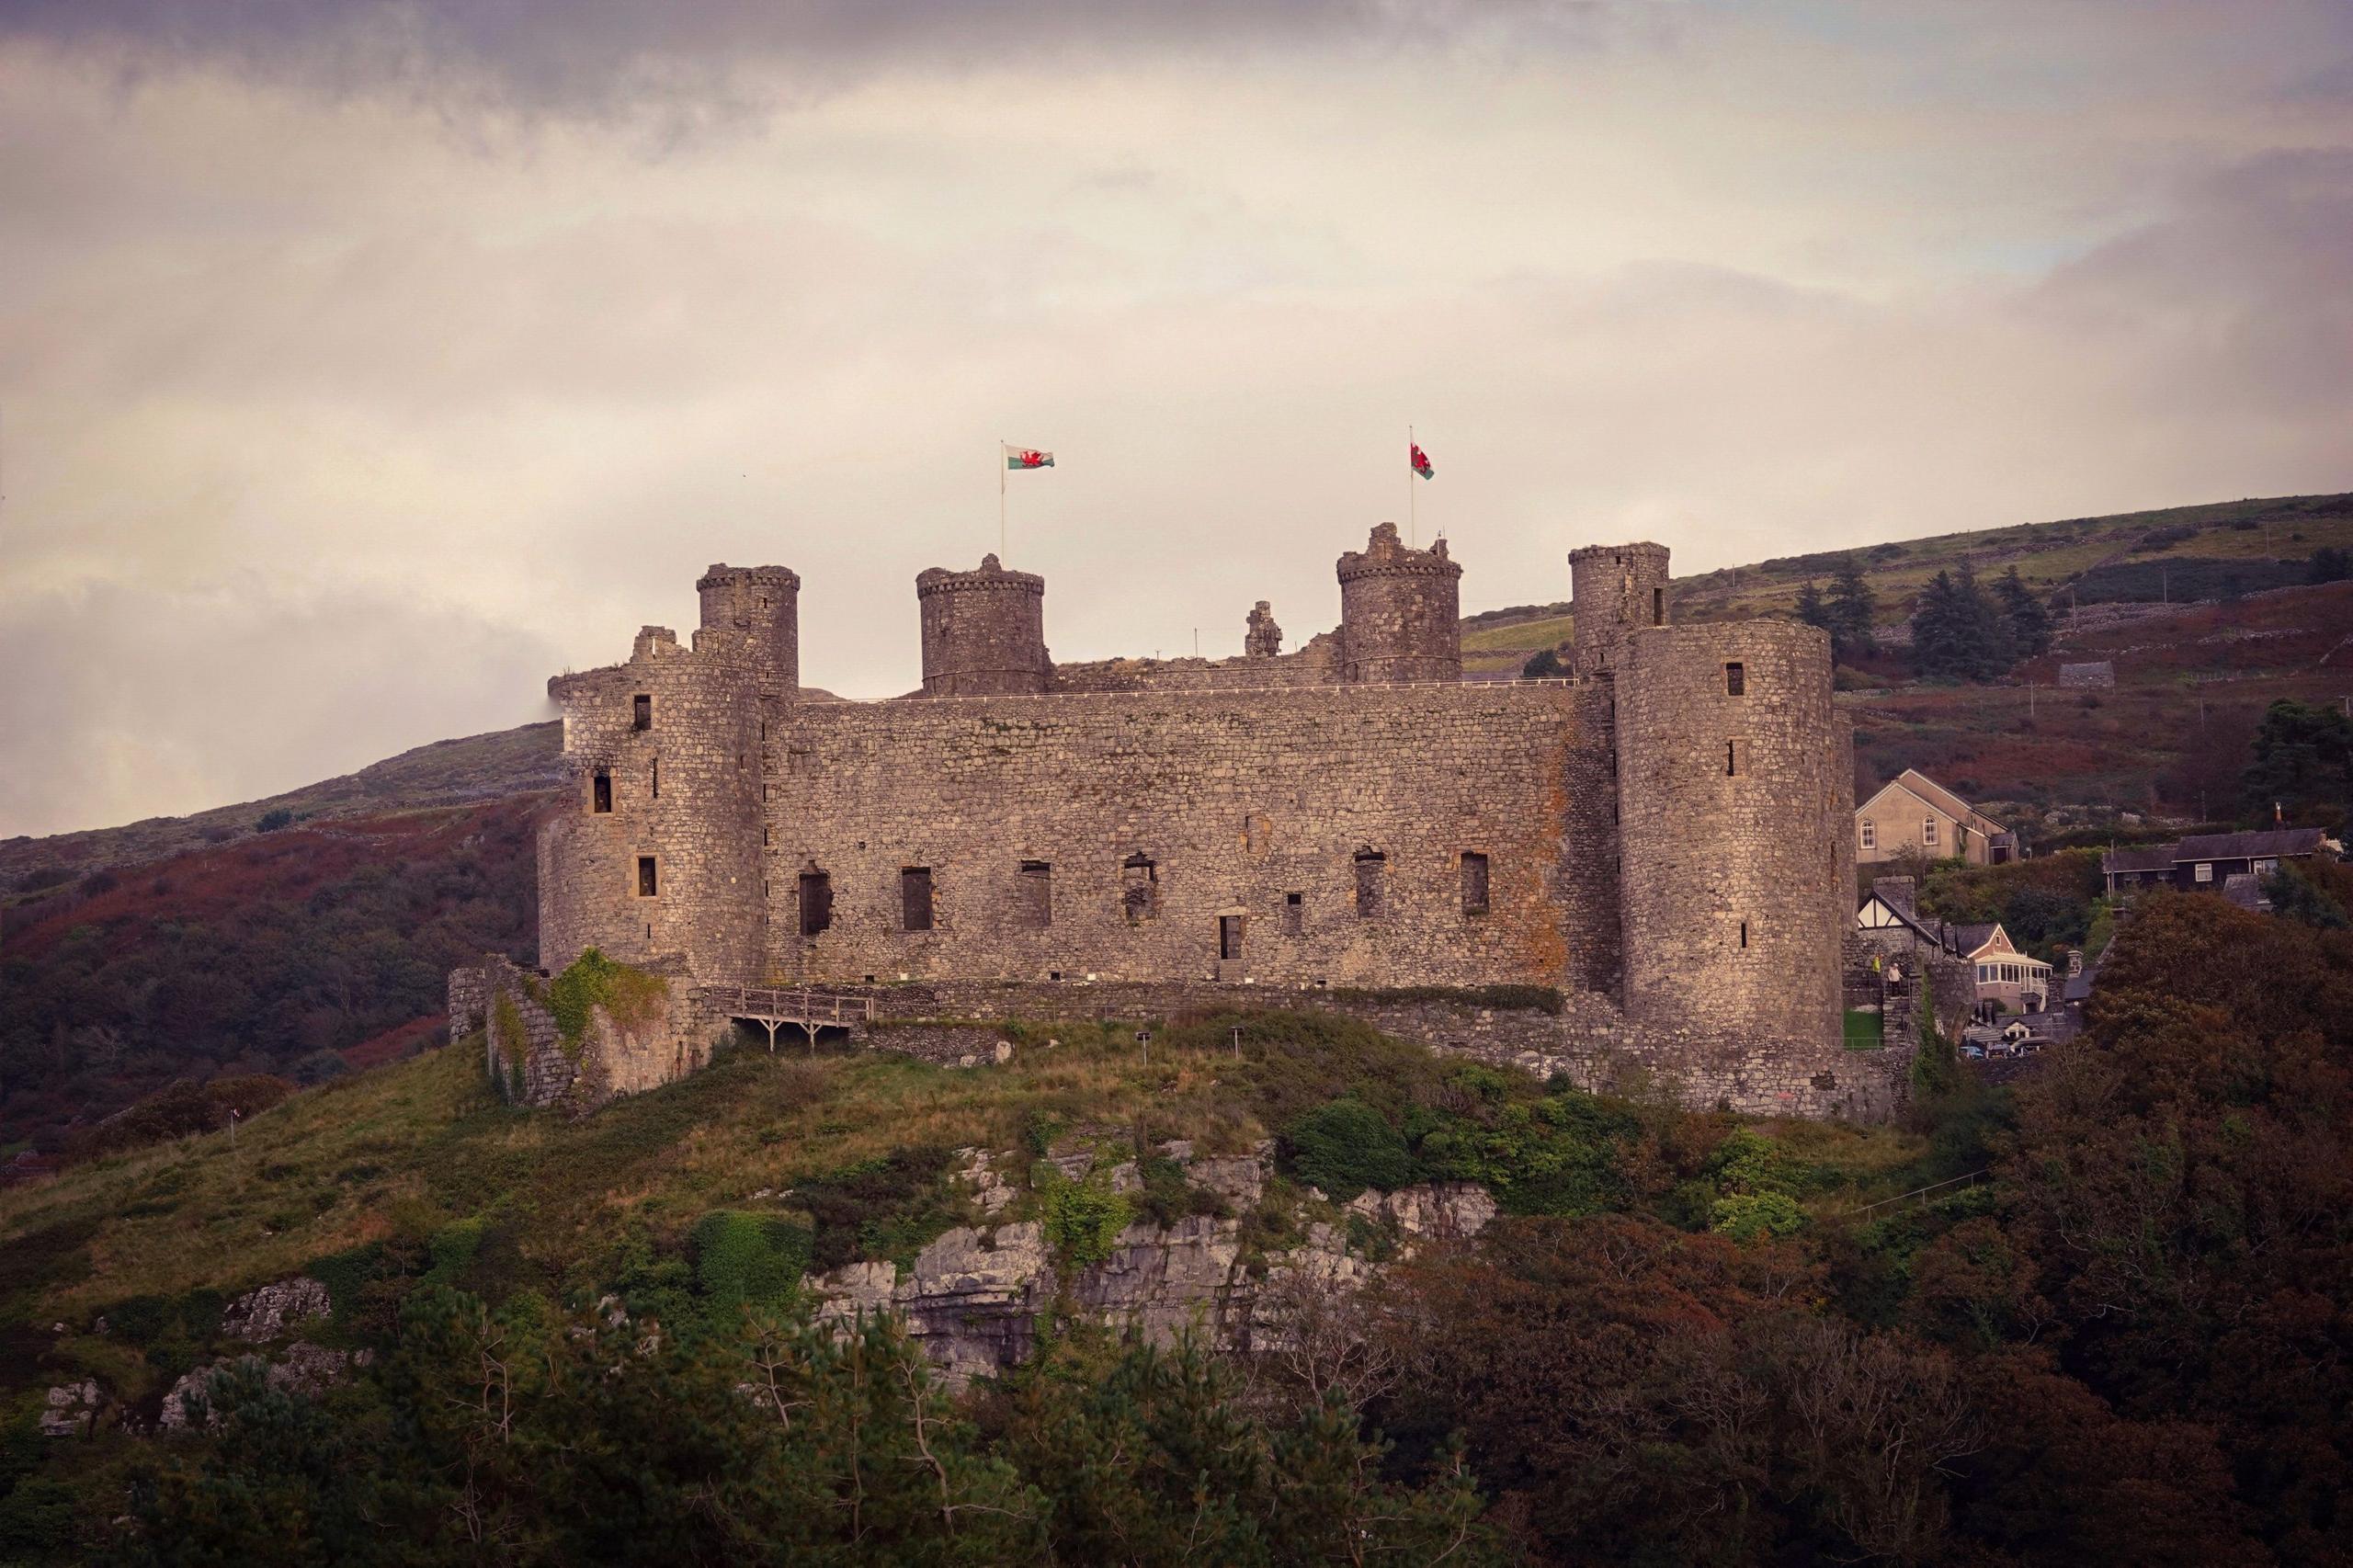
(1971, 1051)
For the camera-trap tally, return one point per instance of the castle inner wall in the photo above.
(1236, 800)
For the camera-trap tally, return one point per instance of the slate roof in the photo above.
(2270, 841)
(2147, 857)
(1967, 939)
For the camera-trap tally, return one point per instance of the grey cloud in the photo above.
(601, 56)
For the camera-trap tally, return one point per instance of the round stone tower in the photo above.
(1614, 589)
(983, 633)
(764, 604)
(1735, 801)
(1401, 612)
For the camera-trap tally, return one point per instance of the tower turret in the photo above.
(763, 604)
(1400, 612)
(1614, 589)
(1736, 805)
(983, 633)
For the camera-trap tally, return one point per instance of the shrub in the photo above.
(748, 1260)
(890, 1208)
(274, 819)
(1561, 1154)
(1346, 1147)
(1083, 1219)
(1756, 1216)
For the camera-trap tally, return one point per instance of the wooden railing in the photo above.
(803, 1004)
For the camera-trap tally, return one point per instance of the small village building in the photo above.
(2007, 979)
(2089, 677)
(1913, 813)
(2206, 862)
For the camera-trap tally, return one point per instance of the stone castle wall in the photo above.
(684, 793)
(983, 631)
(1671, 853)
(1734, 812)
(1148, 819)
(1615, 590)
(1401, 612)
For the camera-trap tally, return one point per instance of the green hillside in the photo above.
(1685, 1337)
(2179, 552)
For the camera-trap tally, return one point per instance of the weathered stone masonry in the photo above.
(1662, 838)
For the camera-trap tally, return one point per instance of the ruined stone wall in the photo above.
(530, 1064)
(1232, 804)
(1734, 815)
(1614, 591)
(685, 791)
(1401, 612)
(1317, 663)
(983, 631)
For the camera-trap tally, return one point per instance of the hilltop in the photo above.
(2180, 553)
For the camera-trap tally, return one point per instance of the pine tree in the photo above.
(1850, 608)
(2023, 615)
(1811, 610)
(1957, 632)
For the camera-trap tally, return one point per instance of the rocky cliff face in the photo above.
(973, 1298)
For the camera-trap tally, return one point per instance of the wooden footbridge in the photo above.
(809, 1008)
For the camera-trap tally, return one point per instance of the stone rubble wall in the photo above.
(612, 1058)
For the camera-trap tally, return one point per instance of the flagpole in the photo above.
(1000, 498)
(1412, 500)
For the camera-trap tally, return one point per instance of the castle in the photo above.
(1661, 838)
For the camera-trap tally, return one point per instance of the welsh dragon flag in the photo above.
(1419, 459)
(1023, 457)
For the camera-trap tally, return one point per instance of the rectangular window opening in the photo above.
(641, 712)
(1928, 832)
(648, 884)
(1474, 882)
(816, 903)
(1139, 888)
(1034, 895)
(1736, 680)
(1229, 935)
(1744, 933)
(1294, 913)
(1870, 834)
(601, 793)
(657, 778)
(1372, 864)
(914, 898)
(1658, 607)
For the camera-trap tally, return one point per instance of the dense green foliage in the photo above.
(1846, 613)
(748, 1260)
(2304, 764)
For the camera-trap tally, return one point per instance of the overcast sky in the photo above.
(361, 365)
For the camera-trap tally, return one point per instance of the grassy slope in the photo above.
(2048, 556)
(399, 1152)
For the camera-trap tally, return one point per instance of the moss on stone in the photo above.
(506, 1031)
(631, 997)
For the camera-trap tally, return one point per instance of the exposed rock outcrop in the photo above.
(973, 1298)
(273, 1312)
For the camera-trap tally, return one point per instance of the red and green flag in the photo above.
(1419, 459)
(1017, 458)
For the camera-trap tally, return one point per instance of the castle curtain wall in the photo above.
(1234, 801)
